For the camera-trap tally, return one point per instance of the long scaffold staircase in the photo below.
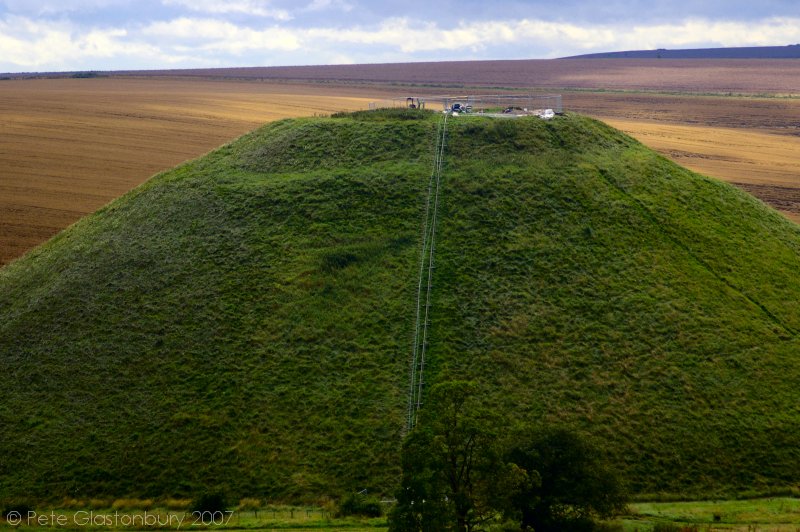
(425, 283)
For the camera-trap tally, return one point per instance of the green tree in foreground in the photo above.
(457, 475)
(450, 465)
(575, 485)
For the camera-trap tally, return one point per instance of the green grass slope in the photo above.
(240, 322)
(587, 281)
(244, 321)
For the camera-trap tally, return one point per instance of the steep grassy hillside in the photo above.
(245, 320)
(585, 280)
(242, 321)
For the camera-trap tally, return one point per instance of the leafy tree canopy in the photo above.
(459, 476)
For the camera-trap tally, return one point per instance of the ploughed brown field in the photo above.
(749, 76)
(68, 146)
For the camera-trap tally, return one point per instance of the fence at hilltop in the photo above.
(512, 104)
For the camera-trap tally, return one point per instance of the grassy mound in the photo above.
(243, 323)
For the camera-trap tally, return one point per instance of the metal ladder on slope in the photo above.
(426, 267)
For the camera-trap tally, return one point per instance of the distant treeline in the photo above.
(51, 75)
(752, 52)
(83, 75)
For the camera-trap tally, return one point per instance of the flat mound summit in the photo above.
(244, 321)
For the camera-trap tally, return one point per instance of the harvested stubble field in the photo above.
(766, 165)
(68, 146)
(749, 141)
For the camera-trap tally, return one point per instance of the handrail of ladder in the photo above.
(419, 348)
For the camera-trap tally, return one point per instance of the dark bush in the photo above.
(20, 508)
(212, 501)
(576, 485)
(338, 260)
(357, 504)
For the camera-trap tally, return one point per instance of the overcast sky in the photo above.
(53, 35)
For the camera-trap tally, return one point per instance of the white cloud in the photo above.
(562, 38)
(212, 35)
(59, 45)
(220, 7)
(33, 44)
(774, 31)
